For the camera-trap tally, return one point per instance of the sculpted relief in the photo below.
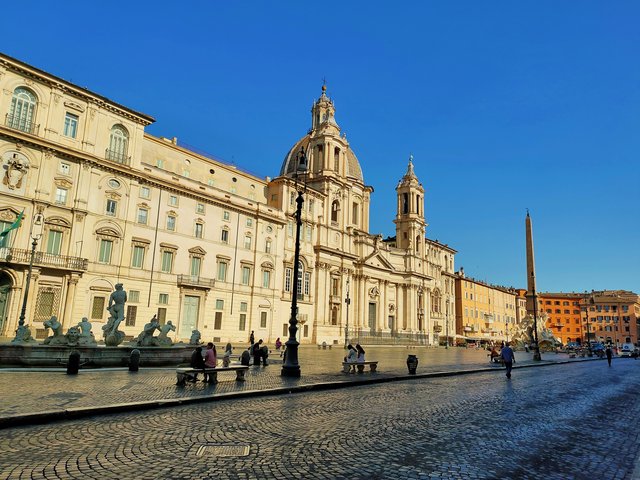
(16, 167)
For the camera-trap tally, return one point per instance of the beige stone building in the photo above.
(485, 313)
(197, 241)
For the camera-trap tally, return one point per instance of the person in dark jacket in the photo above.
(245, 358)
(197, 362)
(257, 352)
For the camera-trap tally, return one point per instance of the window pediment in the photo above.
(142, 242)
(62, 182)
(9, 214)
(58, 222)
(168, 246)
(197, 251)
(74, 106)
(107, 232)
(267, 265)
(112, 195)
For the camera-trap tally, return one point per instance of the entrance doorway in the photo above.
(190, 311)
(5, 293)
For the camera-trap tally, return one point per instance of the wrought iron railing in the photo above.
(19, 255)
(21, 123)
(196, 281)
(116, 156)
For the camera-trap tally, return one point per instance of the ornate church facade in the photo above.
(197, 241)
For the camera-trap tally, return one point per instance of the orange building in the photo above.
(613, 315)
(564, 317)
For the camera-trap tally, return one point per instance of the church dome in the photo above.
(324, 130)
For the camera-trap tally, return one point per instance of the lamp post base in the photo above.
(292, 372)
(536, 356)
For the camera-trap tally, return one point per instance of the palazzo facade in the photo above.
(199, 242)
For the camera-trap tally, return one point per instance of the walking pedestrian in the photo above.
(226, 359)
(609, 353)
(508, 358)
(252, 339)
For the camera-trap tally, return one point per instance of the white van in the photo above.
(627, 349)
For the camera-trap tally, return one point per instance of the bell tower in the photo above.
(410, 222)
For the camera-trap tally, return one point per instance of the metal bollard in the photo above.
(134, 360)
(412, 364)
(74, 363)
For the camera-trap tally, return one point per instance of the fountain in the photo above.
(54, 351)
(523, 333)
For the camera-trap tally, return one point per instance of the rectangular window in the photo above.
(267, 246)
(311, 204)
(243, 306)
(308, 231)
(160, 163)
(224, 237)
(132, 312)
(137, 256)
(266, 279)
(61, 196)
(287, 280)
(54, 242)
(285, 330)
(173, 200)
(196, 262)
(162, 315)
(217, 324)
(247, 242)
(233, 190)
(292, 199)
(97, 308)
(263, 319)
(145, 192)
(199, 229)
(171, 223)
(246, 274)
(211, 182)
(70, 125)
(65, 168)
(163, 299)
(219, 304)
(226, 215)
(243, 322)
(222, 271)
(199, 207)
(249, 222)
(167, 261)
(307, 282)
(290, 229)
(354, 213)
(106, 246)
(112, 206)
(143, 215)
(133, 296)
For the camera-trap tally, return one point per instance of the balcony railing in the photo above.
(21, 123)
(19, 255)
(116, 156)
(195, 281)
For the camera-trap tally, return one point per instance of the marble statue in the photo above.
(112, 336)
(163, 339)
(85, 334)
(58, 338)
(23, 334)
(146, 338)
(523, 333)
(195, 338)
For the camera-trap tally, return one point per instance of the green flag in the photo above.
(13, 226)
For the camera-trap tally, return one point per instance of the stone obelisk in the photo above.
(532, 301)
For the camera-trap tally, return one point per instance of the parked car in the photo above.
(628, 350)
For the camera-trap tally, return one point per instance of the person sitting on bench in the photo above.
(197, 362)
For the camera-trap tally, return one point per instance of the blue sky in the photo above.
(504, 105)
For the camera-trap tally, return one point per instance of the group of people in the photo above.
(354, 355)
(209, 359)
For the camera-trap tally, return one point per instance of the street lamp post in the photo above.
(35, 236)
(586, 314)
(291, 367)
(536, 347)
(347, 302)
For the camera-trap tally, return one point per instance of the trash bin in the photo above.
(74, 363)
(134, 360)
(412, 364)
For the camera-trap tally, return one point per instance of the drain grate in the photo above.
(217, 450)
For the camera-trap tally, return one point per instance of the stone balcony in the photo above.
(42, 259)
(195, 281)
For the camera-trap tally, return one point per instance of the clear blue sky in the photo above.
(504, 105)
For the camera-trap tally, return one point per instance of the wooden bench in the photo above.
(184, 374)
(346, 366)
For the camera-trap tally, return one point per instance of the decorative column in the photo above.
(382, 314)
(72, 282)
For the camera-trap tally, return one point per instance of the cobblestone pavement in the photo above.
(26, 392)
(569, 421)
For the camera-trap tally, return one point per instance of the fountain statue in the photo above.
(112, 336)
(146, 338)
(57, 338)
(23, 334)
(523, 333)
(195, 338)
(85, 334)
(163, 339)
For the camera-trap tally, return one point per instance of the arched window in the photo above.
(435, 301)
(418, 244)
(336, 159)
(118, 144)
(23, 110)
(335, 208)
(405, 203)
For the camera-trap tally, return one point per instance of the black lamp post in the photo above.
(536, 346)
(347, 302)
(35, 236)
(586, 313)
(291, 367)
